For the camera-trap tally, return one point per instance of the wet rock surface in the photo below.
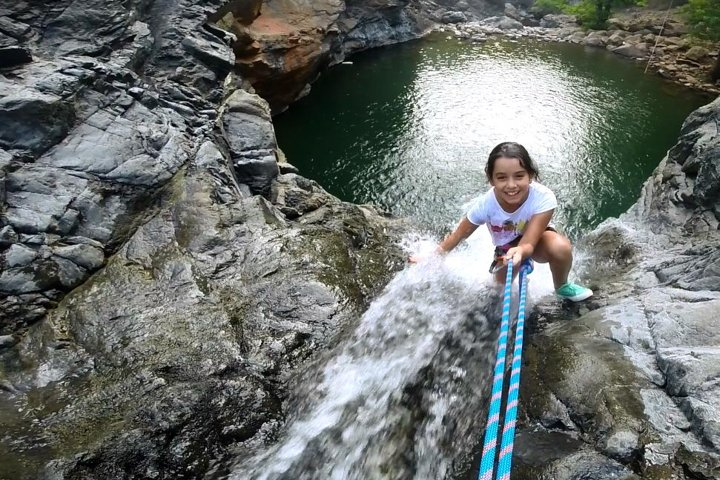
(160, 278)
(633, 374)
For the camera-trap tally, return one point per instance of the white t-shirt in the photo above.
(505, 227)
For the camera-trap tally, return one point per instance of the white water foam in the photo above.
(424, 331)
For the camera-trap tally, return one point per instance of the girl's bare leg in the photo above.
(556, 250)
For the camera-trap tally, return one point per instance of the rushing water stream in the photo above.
(408, 128)
(402, 397)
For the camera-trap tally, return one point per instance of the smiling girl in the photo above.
(517, 210)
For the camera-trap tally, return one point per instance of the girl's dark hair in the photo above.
(511, 150)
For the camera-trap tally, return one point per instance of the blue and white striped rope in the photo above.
(508, 436)
(487, 462)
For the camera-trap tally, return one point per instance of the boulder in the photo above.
(19, 125)
(11, 56)
(697, 53)
(630, 50)
(557, 21)
(247, 127)
(512, 12)
(502, 23)
(453, 17)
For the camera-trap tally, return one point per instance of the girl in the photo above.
(517, 210)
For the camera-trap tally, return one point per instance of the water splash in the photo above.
(403, 397)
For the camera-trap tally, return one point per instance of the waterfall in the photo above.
(404, 396)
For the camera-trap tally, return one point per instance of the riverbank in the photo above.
(660, 45)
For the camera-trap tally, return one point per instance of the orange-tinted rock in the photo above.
(283, 45)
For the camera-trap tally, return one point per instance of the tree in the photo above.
(595, 13)
(704, 18)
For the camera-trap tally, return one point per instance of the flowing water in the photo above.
(408, 128)
(403, 396)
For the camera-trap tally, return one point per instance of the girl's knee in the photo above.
(557, 246)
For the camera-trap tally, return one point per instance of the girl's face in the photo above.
(511, 182)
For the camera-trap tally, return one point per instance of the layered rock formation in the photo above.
(281, 46)
(138, 178)
(630, 388)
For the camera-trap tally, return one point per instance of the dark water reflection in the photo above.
(409, 127)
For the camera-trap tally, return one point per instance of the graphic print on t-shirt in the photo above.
(509, 226)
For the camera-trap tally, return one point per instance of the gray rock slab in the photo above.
(251, 139)
(86, 256)
(14, 28)
(681, 318)
(140, 147)
(11, 56)
(18, 255)
(19, 126)
(38, 198)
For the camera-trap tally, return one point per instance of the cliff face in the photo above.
(282, 45)
(158, 265)
(630, 387)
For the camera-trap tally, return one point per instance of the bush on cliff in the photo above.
(704, 18)
(595, 13)
(590, 13)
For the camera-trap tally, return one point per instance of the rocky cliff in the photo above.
(162, 272)
(630, 389)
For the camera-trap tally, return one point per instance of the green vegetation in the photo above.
(545, 7)
(590, 13)
(704, 18)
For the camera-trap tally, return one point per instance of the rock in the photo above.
(37, 199)
(639, 50)
(12, 56)
(250, 135)
(18, 255)
(8, 236)
(557, 21)
(209, 50)
(19, 125)
(453, 17)
(502, 23)
(617, 38)
(14, 28)
(680, 42)
(697, 53)
(512, 12)
(86, 256)
(286, 167)
(672, 28)
(7, 341)
(577, 37)
(587, 464)
(7, 41)
(595, 41)
(622, 445)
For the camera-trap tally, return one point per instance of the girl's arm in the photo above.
(464, 229)
(536, 227)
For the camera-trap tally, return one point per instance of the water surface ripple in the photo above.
(409, 127)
